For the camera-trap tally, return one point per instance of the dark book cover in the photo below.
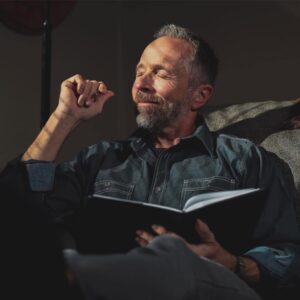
(108, 225)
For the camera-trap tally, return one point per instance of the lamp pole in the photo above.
(46, 66)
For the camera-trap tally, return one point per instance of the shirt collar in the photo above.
(203, 134)
(142, 137)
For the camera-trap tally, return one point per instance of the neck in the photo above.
(171, 135)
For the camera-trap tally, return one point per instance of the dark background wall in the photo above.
(257, 42)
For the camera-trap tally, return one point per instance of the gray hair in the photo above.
(204, 63)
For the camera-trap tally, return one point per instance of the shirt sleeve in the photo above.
(277, 231)
(40, 175)
(275, 261)
(65, 185)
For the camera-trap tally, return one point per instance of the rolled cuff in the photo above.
(274, 262)
(41, 175)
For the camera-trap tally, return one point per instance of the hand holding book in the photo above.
(209, 246)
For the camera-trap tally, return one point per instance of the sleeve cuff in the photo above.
(41, 175)
(274, 262)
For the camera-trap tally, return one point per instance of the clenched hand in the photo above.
(81, 99)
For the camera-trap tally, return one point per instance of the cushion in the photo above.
(254, 120)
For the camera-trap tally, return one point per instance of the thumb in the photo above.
(204, 232)
(99, 98)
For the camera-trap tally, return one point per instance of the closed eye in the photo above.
(138, 74)
(164, 74)
(139, 71)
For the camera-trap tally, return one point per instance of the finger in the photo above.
(94, 87)
(107, 95)
(78, 83)
(102, 87)
(204, 232)
(101, 93)
(68, 84)
(85, 94)
(144, 235)
(102, 98)
(141, 241)
(159, 229)
(93, 93)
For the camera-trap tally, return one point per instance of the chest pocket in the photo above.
(113, 189)
(192, 187)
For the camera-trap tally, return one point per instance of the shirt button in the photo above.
(157, 189)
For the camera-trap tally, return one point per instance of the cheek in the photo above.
(168, 89)
(164, 87)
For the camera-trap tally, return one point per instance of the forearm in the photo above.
(79, 100)
(49, 141)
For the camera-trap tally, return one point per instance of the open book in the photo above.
(109, 224)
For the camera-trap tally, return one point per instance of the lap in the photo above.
(166, 269)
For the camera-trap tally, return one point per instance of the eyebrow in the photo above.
(154, 67)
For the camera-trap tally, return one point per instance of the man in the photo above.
(170, 158)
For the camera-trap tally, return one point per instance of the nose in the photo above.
(144, 83)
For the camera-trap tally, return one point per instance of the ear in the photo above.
(200, 96)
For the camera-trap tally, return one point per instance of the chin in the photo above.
(144, 121)
(151, 122)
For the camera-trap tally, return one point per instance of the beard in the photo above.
(160, 114)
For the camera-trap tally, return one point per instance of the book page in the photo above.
(206, 199)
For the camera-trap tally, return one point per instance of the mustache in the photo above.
(145, 97)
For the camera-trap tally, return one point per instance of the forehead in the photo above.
(167, 51)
